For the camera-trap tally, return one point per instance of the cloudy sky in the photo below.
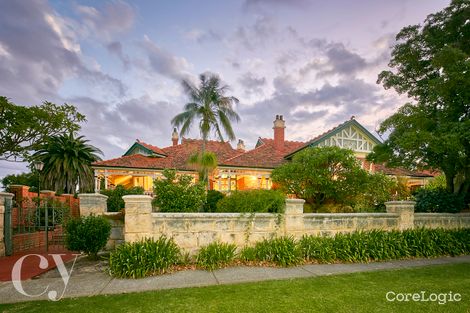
(121, 63)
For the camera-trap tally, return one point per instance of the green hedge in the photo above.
(212, 198)
(438, 200)
(115, 202)
(260, 201)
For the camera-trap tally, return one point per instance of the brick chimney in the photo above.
(174, 137)
(279, 126)
(241, 145)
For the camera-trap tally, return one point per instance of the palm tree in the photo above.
(205, 162)
(210, 107)
(67, 161)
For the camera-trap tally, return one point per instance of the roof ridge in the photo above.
(246, 152)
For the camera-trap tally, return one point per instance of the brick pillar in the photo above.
(92, 203)
(4, 196)
(294, 220)
(405, 211)
(137, 218)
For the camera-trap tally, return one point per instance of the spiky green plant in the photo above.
(67, 163)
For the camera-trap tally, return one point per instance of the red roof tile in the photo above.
(398, 171)
(151, 147)
(264, 155)
(176, 156)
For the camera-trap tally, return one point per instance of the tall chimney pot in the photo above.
(279, 127)
(174, 137)
(241, 145)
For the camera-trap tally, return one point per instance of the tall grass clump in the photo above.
(378, 245)
(283, 251)
(215, 255)
(144, 258)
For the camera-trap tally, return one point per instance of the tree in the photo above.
(67, 163)
(322, 175)
(431, 65)
(24, 129)
(210, 107)
(204, 162)
(26, 179)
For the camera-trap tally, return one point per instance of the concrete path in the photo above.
(88, 283)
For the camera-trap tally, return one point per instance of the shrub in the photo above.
(213, 197)
(283, 251)
(438, 200)
(262, 201)
(115, 202)
(385, 245)
(178, 193)
(215, 255)
(87, 234)
(144, 258)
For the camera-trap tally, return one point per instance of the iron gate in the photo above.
(35, 225)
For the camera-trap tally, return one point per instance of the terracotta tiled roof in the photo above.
(176, 156)
(398, 171)
(264, 155)
(151, 147)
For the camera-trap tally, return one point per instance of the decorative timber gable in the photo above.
(349, 135)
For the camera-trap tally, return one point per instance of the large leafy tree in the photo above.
(24, 129)
(26, 179)
(326, 175)
(67, 163)
(210, 107)
(431, 65)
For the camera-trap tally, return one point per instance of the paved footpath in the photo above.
(83, 283)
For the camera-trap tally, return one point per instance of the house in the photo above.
(238, 168)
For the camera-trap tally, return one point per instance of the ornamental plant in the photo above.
(87, 234)
(215, 255)
(144, 258)
(178, 193)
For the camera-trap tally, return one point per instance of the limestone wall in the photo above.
(191, 231)
(117, 229)
(444, 220)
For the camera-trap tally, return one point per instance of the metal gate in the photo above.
(7, 227)
(35, 225)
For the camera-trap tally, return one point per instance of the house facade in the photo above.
(238, 168)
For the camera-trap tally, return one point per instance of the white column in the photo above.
(105, 179)
(97, 181)
(229, 181)
(267, 181)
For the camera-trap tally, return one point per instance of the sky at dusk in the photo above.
(121, 63)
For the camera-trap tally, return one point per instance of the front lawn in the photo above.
(359, 292)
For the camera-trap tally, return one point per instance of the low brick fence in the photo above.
(191, 231)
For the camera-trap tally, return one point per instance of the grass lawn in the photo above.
(359, 292)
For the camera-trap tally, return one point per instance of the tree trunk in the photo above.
(205, 170)
(450, 182)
